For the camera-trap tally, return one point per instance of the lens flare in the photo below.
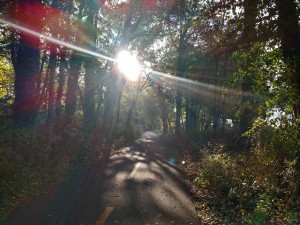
(55, 40)
(129, 65)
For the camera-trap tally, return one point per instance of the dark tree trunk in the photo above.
(216, 105)
(289, 33)
(90, 69)
(164, 111)
(25, 55)
(112, 96)
(180, 73)
(248, 38)
(72, 86)
(118, 108)
(51, 93)
(39, 78)
(178, 113)
(89, 94)
(26, 72)
(61, 83)
(188, 116)
(99, 91)
(129, 132)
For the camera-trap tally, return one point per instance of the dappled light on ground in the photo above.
(132, 188)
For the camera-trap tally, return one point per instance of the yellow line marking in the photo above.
(134, 170)
(104, 216)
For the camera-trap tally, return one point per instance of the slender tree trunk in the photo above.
(188, 116)
(111, 99)
(89, 94)
(26, 71)
(216, 107)
(72, 86)
(129, 132)
(118, 108)
(61, 83)
(90, 70)
(164, 112)
(99, 91)
(39, 78)
(180, 73)
(249, 37)
(51, 94)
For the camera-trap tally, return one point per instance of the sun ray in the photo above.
(55, 40)
(187, 85)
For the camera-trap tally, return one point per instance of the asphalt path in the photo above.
(132, 189)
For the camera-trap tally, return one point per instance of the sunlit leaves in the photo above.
(6, 79)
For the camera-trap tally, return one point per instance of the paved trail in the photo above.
(132, 190)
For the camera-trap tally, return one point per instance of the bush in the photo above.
(230, 187)
(256, 187)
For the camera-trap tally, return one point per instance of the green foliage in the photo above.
(256, 187)
(6, 79)
(229, 184)
(279, 135)
(6, 101)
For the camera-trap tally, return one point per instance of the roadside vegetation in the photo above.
(257, 186)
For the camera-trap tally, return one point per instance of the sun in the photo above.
(128, 65)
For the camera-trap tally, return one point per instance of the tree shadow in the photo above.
(153, 194)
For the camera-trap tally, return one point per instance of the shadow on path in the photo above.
(153, 194)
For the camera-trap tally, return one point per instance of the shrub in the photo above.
(254, 187)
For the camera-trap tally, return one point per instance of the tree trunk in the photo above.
(188, 116)
(111, 99)
(289, 32)
(117, 83)
(129, 132)
(99, 91)
(61, 83)
(118, 108)
(248, 38)
(26, 71)
(164, 111)
(39, 78)
(216, 107)
(90, 69)
(180, 73)
(51, 94)
(72, 86)
(89, 94)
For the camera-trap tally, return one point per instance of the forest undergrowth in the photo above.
(57, 158)
(235, 186)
